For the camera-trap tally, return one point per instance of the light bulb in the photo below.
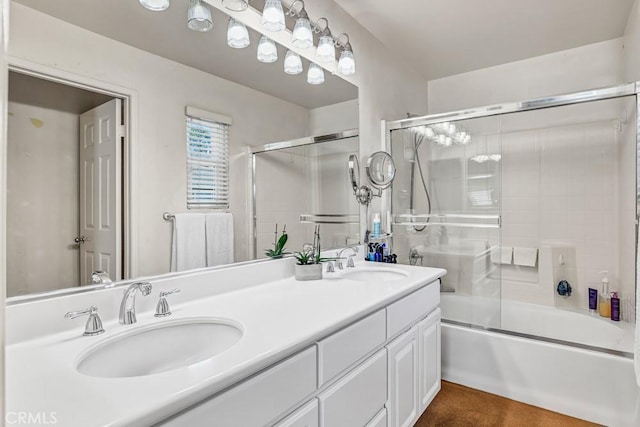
(315, 74)
(156, 5)
(326, 51)
(237, 34)
(292, 63)
(236, 5)
(347, 63)
(199, 16)
(273, 16)
(267, 51)
(302, 33)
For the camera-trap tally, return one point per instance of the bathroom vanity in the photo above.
(359, 348)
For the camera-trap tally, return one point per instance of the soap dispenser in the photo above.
(604, 303)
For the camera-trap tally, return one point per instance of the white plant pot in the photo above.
(308, 272)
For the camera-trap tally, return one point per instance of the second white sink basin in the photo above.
(158, 348)
(373, 275)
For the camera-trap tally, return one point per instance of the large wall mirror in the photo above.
(102, 99)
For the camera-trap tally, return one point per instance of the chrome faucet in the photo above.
(128, 304)
(350, 263)
(94, 324)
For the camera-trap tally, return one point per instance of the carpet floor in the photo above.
(459, 406)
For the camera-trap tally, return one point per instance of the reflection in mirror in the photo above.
(380, 169)
(303, 185)
(87, 55)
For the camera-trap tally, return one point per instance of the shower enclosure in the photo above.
(300, 184)
(513, 200)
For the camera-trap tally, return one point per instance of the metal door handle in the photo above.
(79, 240)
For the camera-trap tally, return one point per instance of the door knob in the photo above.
(79, 240)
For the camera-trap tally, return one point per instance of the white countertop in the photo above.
(279, 318)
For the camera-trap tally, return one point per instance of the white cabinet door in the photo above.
(403, 357)
(305, 416)
(429, 361)
(356, 398)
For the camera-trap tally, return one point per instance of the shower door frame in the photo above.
(599, 94)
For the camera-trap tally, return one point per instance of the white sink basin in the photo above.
(158, 348)
(373, 275)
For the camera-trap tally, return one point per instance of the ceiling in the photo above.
(29, 90)
(445, 37)
(166, 34)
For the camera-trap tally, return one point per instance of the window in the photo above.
(207, 160)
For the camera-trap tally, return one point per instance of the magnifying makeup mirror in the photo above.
(354, 172)
(381, 171)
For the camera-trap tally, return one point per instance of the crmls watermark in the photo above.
(28, 418)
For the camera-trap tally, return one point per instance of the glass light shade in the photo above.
(237, 5)
(292, 63)
(156, 5)
(326, 51)
(267, 51)
(237, 34)
(199, 16)
(347, 63)
(315, 74)
(273, 16)
(302, 34)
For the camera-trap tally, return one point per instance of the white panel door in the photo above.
(429, 364)
(402, 405)
(100, 240)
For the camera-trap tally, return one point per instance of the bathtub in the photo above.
(576, 379)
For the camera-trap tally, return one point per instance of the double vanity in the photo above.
(244, 345)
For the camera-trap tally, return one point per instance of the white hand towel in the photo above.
(188, 249)
(501, 255)
(526, 257)
(219, 234)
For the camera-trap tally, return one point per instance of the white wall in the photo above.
(42, 199)
(334, 118)
(632, 45)
(586, 67)
(163, 89)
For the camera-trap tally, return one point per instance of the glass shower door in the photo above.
(446, 203)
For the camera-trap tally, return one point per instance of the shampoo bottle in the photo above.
(377, 226)
(615, 306)
(604, 303)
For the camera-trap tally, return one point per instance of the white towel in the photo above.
(188, 248)
(501, 255)
(636, 347)
(526, 257)
(219, 232)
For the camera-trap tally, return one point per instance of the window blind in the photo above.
(207, 164)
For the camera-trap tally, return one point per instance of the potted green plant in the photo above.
(278, 244)
(308, 260)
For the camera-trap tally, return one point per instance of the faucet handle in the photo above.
(162, 309)
(94, 324)
(350, 263)
(330, 267)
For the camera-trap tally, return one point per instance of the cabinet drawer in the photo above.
(355, 399)
(305, 416)
(409, 309)
(380, 420)
(344, 348)
(257, 401)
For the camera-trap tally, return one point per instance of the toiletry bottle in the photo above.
(604, 303)
(377, 226)
(593, 299)
(615, 306)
